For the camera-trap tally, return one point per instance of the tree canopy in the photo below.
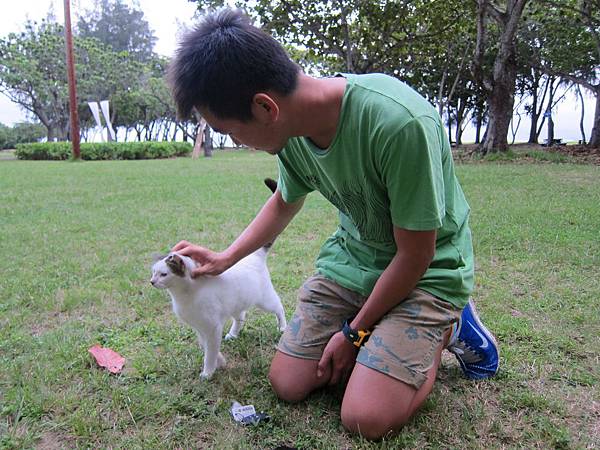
(484, 62)
(468, 58)
(120, 27)
(115, 64)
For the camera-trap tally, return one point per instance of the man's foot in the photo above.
(474, 346)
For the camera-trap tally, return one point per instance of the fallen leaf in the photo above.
(105, 357)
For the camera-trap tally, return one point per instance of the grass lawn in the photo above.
(75, 249)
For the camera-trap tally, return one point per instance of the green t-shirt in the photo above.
(388, 164)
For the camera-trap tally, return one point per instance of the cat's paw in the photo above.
(230, 336)
(221, 361)
(205, 376)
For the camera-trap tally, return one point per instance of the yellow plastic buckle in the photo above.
(362, 335)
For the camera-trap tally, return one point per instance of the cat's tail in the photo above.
(272, 185)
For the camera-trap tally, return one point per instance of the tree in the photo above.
(6, 137)
(428, 44)
(33, 75)
(500, 83)
(122, 28)
(146, 106)
(104, 75)
(572, 48)
(422, 42)
(20, 133)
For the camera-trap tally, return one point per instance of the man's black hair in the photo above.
(223, 62)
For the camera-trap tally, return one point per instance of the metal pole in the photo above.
(72, 82)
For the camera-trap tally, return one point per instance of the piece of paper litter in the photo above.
(247, 415)
(240, 412)
(105, 357)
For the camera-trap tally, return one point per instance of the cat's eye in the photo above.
(163, 274)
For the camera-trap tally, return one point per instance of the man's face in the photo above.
(251, 134)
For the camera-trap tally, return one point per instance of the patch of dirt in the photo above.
(50, 440)
(581, 153)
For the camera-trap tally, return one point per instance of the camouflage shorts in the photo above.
(403, 343)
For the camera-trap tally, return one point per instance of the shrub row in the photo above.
(104, 150)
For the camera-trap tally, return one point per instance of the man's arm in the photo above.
(415, 251)
(272, 219)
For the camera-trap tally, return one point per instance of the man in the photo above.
(395, 278)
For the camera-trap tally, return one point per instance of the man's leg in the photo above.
(397, 367)
(321, 310)
(376, 404)
(293, 379)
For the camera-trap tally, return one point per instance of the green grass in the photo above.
(75, 250)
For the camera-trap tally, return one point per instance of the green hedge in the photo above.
(104, 150)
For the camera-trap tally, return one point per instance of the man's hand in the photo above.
(210, 263)
(341, 355)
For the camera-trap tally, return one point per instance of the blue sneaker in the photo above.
(474, 346)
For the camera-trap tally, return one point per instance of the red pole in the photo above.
(72, 82)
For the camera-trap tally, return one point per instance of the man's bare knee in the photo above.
(376, 405)
(373, 425)
(292, 378)
(287, 389)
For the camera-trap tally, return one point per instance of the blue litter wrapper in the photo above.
(247, 415)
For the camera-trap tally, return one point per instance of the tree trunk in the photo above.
(514, 128)
(478, 125)
(166, 132)
(550, 137)
(63, 132)
(534, 112)
(550, 90)
(595, 137)
(199, 138)
(459, 133)
(347, 41)
(501, 85)
(51, 130)
(460, 118)
(208, 143)
(501, 102)
(582, 118)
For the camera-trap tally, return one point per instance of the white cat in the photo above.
(207, 302)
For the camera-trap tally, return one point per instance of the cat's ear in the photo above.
(157, 257)
(176, 264)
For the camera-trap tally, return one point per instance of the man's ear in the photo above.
(176, 264)
(264, 108)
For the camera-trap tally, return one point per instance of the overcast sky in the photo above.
(164, 17)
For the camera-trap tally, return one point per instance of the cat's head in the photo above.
(170, 269)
